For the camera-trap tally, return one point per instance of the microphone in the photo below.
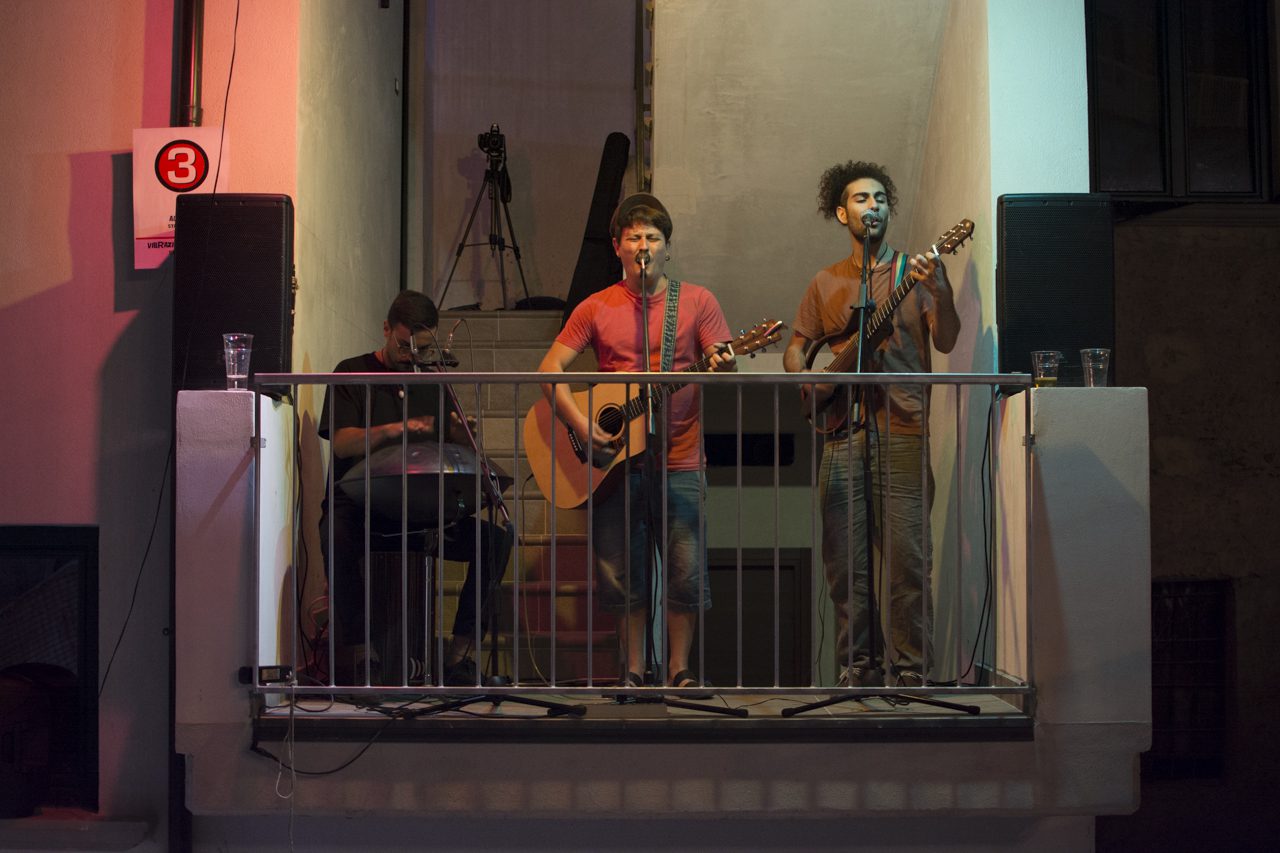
(642, 257)
(869, 219)
(446, 352)
(437, 355)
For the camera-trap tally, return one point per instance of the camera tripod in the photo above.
(497, 188)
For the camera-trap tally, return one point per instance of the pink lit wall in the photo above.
(84, 337)
(86, 421)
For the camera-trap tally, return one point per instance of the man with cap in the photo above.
(609, 322)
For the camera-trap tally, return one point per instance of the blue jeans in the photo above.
(909, 551)
(623, 587)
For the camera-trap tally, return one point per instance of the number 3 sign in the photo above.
(168, 161)
(182, 165)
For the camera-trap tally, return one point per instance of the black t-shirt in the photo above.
(387, 403)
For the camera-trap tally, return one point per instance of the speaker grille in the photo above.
(233, 270)
(1055, 274)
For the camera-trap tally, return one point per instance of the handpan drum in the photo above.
(426, 462)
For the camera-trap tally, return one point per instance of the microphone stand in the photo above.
(860, 416)
(646, 481)
(648, 477)
(493, 493)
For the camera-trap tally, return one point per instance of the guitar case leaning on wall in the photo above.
(598, 267)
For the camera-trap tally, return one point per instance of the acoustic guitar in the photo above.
(832, 411)
(578, 468)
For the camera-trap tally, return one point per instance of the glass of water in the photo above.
(236, 347)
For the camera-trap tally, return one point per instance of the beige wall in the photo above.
(753, 100)
(349, 103)
(556, 76)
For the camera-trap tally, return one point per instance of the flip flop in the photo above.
(688, 678)
(632, 680)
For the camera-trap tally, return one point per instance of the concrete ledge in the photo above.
(1073, 770)
(68, 829)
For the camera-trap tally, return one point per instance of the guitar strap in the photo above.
(899, 270)
(669, 326)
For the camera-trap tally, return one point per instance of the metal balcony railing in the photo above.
(773, 628)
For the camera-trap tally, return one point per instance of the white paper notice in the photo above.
(169, 161)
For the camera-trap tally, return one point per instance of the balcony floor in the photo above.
(649, 718)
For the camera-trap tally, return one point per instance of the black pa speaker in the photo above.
(233, 272)
(1055, 279)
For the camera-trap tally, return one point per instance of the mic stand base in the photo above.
(653, 699)
(554, 709)
(902, 698)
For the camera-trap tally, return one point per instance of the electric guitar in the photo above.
(834, 409)
(578, 468)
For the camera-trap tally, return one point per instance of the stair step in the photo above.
(483, 326)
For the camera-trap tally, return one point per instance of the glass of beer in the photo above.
(1044, 367)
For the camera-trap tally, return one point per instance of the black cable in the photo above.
(258, 750)
(226, 97)
(133, 600)
(986, 613)
(392, 716)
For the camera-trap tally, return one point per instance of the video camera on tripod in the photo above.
(497, 188)
(493, 143)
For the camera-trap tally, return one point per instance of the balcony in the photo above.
(1039, 600)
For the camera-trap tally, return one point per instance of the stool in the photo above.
(404, 606)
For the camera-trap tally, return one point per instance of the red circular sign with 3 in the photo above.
(182, 165)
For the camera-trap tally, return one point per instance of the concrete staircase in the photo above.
(516, 341)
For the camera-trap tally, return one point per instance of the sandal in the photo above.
(687, 678)
(632, 680)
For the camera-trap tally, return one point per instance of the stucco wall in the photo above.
(556, 77)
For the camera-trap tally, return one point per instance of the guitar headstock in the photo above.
(954, 238)
(758, 337)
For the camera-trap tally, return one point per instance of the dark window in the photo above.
(48, 668)
(1179, 95)
(1188, 687)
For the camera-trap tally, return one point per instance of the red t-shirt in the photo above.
(609, 322)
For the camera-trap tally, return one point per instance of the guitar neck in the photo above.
(635, 407)
(846, 358)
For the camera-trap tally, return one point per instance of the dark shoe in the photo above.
(860, 676)
(686, 678)
(462, 673)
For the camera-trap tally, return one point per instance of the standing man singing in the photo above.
(410, 325)
(861, 197)
(610, 322)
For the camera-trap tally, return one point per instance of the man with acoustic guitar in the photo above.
(861, 197)
(609, 322)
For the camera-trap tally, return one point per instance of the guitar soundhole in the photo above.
(611, 420)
